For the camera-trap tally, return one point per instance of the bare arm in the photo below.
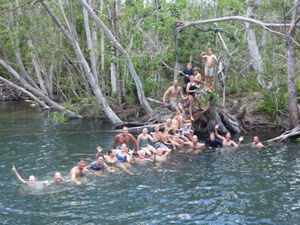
(18, 175)
(149, 136)
(165, 95)
(133, 139)
(217, 134)
(138, 142)
(115, 142)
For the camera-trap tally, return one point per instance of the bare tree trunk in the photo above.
(37, 68)
(42, 104)
(253, 48)
(292, 97)
(102, 53)
(90, 45)
(139, 86)
(68, 34)
(38, 93)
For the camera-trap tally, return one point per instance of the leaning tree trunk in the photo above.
(139, 86)
(38, 93)
(24, 91)
(95, 87)
(292, 96)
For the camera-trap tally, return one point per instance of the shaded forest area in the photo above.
(100, 58)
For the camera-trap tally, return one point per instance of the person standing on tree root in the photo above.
(187, 73)
(175, 91)
(192, 96)
(211, 59)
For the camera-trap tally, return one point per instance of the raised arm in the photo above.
(203, 55)
(217, 134)
(99, 151)
(18, 175)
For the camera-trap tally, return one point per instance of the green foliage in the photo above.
(58, 117)
(273, 103)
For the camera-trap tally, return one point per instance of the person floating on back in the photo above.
(211, 59)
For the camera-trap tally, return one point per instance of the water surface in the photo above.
(243, 186)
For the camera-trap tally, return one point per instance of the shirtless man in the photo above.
(124, 138)
(142, 142)
(157, 138)
(174, 91)
(211, 59)
(256, 143)
(194, 144)
(78, 171)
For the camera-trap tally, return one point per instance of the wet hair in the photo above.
(81, 159)
(109, 152)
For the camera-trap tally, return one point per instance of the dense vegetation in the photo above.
(47, 60)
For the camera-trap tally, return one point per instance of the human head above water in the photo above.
(228, 136)
(81, 163)
(124, 147)
(31, 179)
(141, 154)
(194, 139)
(212, 136)
(255, 139)
(125, 130)
(57, 177)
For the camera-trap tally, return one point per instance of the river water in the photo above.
(242, 186)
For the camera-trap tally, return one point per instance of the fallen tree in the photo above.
(288, 134)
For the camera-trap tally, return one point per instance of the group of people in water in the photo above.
(174, 134)
(154, 147)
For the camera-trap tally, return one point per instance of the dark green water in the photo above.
(244, 186)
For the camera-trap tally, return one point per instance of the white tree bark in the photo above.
(36, 92)
(41, 103)
(253, 48)
(90, 45)
(292, 96)
(142, 99)
(68, 34)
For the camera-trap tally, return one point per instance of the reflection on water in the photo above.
(242, 186)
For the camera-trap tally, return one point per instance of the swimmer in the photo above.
(194, 144)
(141, 157)
(257, 143)
(211, 142)
(57, 179)
(78, 171)
(124, 138)
(98, 165)
(124, 159)
(31, 179)
(110, 158)
(227, 142)
(161, 154)
(142, 142)
(123, 156)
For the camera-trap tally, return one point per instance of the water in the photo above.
(244, 186)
